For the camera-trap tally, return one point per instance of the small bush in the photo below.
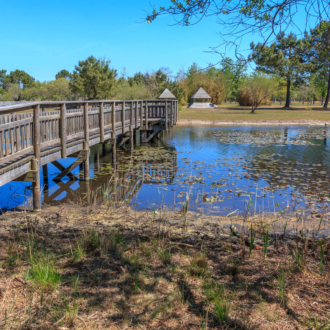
(244, 98)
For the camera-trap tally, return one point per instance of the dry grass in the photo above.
(148, 278)
(233, 112)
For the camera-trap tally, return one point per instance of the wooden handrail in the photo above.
(19, 131)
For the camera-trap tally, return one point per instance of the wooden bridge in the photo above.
(31, 136)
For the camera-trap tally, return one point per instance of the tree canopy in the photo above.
(241, 17)
(319, 54)
(19, 77)
(285, 58)
(93, 78)
(63, 74)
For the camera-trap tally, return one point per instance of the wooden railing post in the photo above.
(136, 114)
(101, 123)
(176, 110)
(123, 118)
(131, 116)
(141, 113)
(63, 130)
(171, 114)
(113, 120)
(86, 123)
(146, 116)
(166, 116)
(36, 129)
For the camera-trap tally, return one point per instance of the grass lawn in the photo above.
(233, 112)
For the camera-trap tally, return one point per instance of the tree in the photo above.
(233, 74)
(306, 93)
(14, 91)
(285, 58)
(260, 89)
(63, 74)
(241, 17)
(19, 77)
(280, 89)
(320, 81)
(319, 46)
(93, 78)
(59, 89)
(2, 78)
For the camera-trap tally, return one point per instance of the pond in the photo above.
(209, 170)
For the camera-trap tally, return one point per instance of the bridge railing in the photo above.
(25, 129)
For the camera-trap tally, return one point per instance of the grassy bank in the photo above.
(234, 113)
(100, 269)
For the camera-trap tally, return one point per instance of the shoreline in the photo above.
(194, 122)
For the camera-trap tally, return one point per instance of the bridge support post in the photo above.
(86, 163)
(131, 140)
(114, 153)
(36, 185)
(143, 136)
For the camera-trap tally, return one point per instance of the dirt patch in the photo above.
(106, 268)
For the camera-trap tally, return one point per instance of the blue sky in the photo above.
(43, 37)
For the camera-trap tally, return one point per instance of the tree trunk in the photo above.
(288, 89)
(326, 101)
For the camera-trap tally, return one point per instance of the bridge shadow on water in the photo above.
(117, 177)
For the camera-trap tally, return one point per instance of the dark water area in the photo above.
(210, 170)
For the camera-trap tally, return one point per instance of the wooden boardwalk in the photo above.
(31, 136)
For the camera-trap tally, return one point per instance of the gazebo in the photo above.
(201, 94)
(167, 95)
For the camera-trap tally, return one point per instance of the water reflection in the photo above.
(214, 170)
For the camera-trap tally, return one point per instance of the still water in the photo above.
(212, 170)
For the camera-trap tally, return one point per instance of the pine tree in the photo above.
(285, 58)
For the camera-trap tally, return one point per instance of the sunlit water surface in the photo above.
(211, 170)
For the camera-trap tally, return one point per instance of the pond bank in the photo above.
(73, 217)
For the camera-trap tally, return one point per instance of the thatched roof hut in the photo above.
(167, 95)
(202, 95)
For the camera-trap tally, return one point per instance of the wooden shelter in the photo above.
(167, 95)
(201, 94)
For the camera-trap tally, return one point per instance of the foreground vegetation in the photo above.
(125, 270)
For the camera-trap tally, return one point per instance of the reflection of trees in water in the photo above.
(121, 180)
(292, 166)
(286, 166)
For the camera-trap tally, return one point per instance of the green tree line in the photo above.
(289, 68)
